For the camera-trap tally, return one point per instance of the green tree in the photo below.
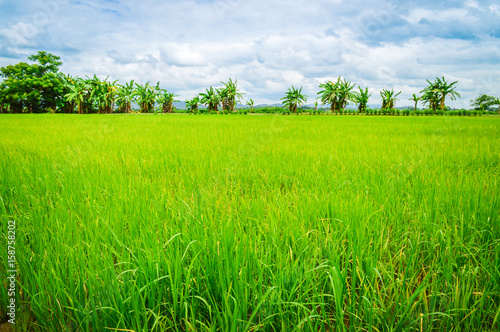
(362, 98)
(336, 94)
(293, 99)
(166, 100)
(389, 98)
(33, 87)
(146, 96)
(192, 105)
(431, 98)
(435, 93)
(483, 102)
(211, 98)
(229, 95)
(67, 106)
(250, 103)
(104, 94)
(125, 96)
(78, 91)
(497, 102)
(3, 103)
(446, 89)
(415, 99)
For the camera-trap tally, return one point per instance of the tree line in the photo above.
(39, 86)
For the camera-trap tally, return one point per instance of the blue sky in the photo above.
(266, 45)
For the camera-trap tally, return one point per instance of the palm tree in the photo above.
(146, 96)
(67, 82)
(125, 96)
(166, 100)
(446, 89)
(192, 104)
(230, 95)
(293, 99)
(389, 98)
(415, 98)
(435, 93)
(211, 98)
(337, 94)
(362, 98)
(431, 97)
(250, 103)
(345, 94)
(78, 93)
(329, 94)
(104, 94)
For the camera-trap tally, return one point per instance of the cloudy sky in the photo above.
(267, 45)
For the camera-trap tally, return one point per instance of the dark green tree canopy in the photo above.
(32, 87)
(483, 102)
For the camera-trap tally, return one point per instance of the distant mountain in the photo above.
(180, 105)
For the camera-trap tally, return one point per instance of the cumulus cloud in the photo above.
(266, 45)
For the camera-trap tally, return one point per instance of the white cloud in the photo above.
(472, 4)
(266, 45)
(495, 9)
(19, 34)
(181, 55)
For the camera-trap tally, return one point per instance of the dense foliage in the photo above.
(32, 87)
(40, 87)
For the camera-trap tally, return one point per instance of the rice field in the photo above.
(251, 223)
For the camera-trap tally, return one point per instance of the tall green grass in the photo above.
(257, 223)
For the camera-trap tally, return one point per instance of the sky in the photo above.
(266, 45)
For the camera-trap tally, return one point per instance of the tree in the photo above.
(293, 99)
(446, 89)
(211, 98)
(192, 104)
(329, 94)
(32, 87)
(104, 94)
(146, 96)
(415, 99)
(67, 106)
(497, 102)
(166, 100)
(435, 93)
(229, 95)
(362, 98)
(77, 92)
(3, 104)
(389, 98)
(431, 97)
(250, 103)
(125, 96)
(337, 94)
(483, 102)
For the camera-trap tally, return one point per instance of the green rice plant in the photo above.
(261, 223)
